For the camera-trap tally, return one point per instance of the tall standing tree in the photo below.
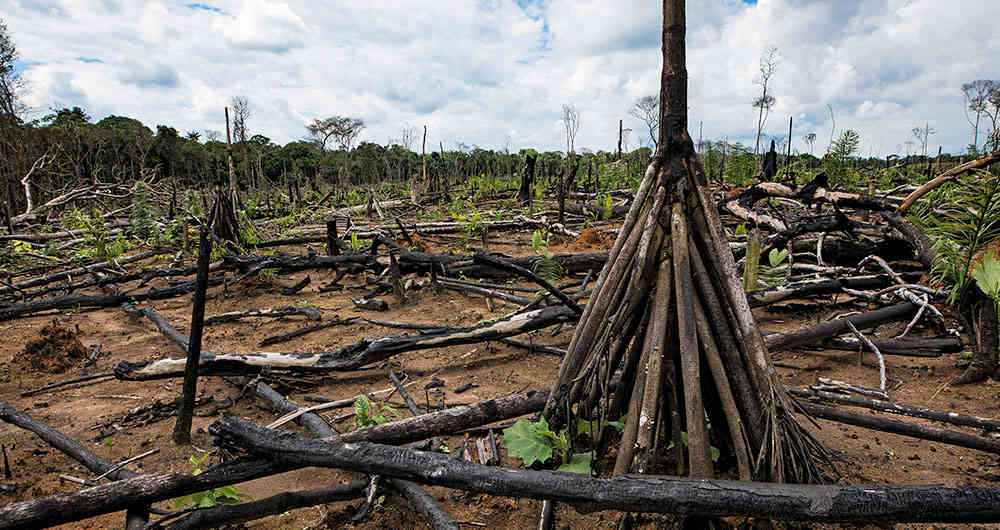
(977, 95)
(768, 65)
(341, 129)
(810, 140)
(922, 134)
(241, 133)
(571, 124)
(11, 83)
(646, 110)
(668, 312)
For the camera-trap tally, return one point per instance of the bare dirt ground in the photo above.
(864, 457)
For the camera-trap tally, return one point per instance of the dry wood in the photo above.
(904, 428)
(881, 405)
(630, 493)
(362, 353)
(945, 177)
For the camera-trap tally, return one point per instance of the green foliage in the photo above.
(143, 219)
(355, 243)
(532, 442)
(986, 273)
(777, 271)
(777, 257)
(214, 497)
(368, 414)
(965, 230)
(267, 275)
(95, 234)
(837, 163)
(546, 265)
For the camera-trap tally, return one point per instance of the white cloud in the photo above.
(477, 71)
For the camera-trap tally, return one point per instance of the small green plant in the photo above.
(143, 222)
(368, 414)
(95, 234)
(776, 273)
(355, 242)
(546, 265)
(109, 442)
(20, 246)
(267, 275)
(533, 441)
(987, 275)
(209, 498)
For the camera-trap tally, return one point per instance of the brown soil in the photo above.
(863, 457)
(56, 350)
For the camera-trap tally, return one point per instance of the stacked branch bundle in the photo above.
(670, 313)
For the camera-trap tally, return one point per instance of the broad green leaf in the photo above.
(715, 454)
(525, 440)
(578, 463)
(776, 257)
(987, 274)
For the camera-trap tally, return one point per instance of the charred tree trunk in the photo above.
(527, 180)
(669, 310)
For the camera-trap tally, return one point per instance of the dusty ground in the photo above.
(865, 456)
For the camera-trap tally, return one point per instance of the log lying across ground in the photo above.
(799, 337)
(371, 350)
(137, 514)
(881, 405)
(913, 430)
(362, 353)
(74, 301)
(628, 493)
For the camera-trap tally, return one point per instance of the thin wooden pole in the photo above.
(182, 429)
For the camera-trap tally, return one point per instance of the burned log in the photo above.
(870, 319)
(362, 353)
(137, 514)
(913, 430)
(10, 311)
(881, 405)
(631, 493)
(248, 511)
(307, 311)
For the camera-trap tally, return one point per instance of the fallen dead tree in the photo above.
(362, 353)
(137, 514)
(881, 405)
(628, 492)
(79, 271)
(870, 319)
(913, 430)
(816, 191)
(73, 301)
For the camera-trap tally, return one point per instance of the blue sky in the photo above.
(495, 73)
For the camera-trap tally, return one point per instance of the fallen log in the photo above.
(629, 493)
(870, 319)
(284, 337)
(904, 428)
(881, 405)
(79, 271)
(452, 420)
(364, 352)
(484, 259)
(909, 346)
(249, 511)
(816, 192)
(10, 311)
(770, 295)
(307, 311)
(945, 177)
(137, 514)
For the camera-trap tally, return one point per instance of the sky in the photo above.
(496, 73)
